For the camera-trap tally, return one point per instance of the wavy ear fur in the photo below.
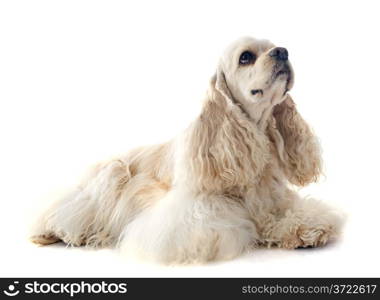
(220, 86)
(225, 148)
(299, 149)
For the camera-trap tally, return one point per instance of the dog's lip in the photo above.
(283, 71)
(280, 69)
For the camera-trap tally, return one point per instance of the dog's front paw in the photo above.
(305, 236)
(309, 223)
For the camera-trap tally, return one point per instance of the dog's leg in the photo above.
(45, 230)
(89, 214)
(59, 221)
(184, 227)
(43, 239)
(303, 223)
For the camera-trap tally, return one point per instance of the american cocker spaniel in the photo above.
(218, 189)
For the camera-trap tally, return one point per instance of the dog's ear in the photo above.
(220, 87)
(300, 151)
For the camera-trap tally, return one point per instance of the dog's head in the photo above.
(255, 71)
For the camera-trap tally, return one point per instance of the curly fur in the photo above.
(301, 153)
(221, 187)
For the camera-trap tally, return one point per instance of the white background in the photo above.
(83, 80)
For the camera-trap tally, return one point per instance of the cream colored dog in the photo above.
(219, 188)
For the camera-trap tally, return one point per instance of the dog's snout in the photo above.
(279, 53)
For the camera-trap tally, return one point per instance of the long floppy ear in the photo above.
(219, 82)
(225, 149)
(299, 149)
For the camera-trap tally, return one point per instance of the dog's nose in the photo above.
(279, 53)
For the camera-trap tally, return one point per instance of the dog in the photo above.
(217, 190)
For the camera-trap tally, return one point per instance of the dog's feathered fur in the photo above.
(216, 190)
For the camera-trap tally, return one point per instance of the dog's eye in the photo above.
(246, 58)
